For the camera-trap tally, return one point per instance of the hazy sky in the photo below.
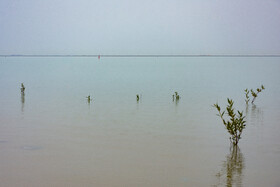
(139, 26)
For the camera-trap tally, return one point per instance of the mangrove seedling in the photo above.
(22, 88)
(89, 99)
(236, 122)
(177, 97)
(247, 96)
(137, 97)
(255, 94)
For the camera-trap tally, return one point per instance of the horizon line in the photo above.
(143, 55)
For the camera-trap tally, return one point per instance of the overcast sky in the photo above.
(140, 27)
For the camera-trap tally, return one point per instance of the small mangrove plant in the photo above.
(137, 97)
(255, 93)
(22, 89)
(247, 96)
(176, 96)
(236, 122)
(89, 99)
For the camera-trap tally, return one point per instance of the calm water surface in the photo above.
(52, 136)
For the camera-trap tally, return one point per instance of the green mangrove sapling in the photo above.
(176, 96)
(255, 94)
(236, 122)
(89, 99)
(22, 88)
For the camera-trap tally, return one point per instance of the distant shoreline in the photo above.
(154, 55)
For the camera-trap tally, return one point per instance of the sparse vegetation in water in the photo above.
(255, 93)
(22, 89)
(236, 122)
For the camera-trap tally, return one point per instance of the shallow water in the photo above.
(52, 136)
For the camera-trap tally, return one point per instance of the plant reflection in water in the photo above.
(22, 101)
(231, 173)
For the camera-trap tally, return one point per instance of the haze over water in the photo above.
(52, 136)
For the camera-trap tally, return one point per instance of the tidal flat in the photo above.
(52, 136)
